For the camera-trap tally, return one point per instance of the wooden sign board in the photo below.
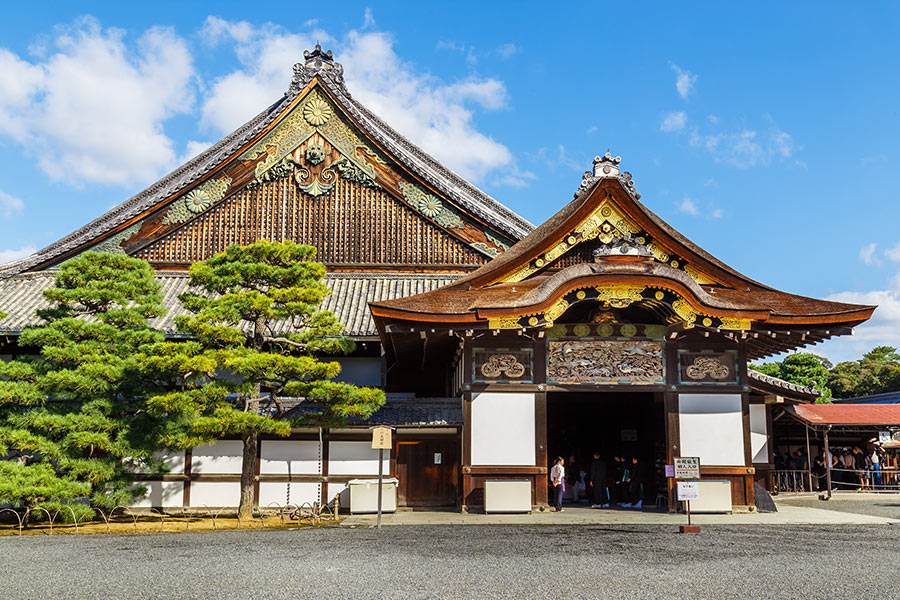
(688, 490)
(381, 438)
(687, 467)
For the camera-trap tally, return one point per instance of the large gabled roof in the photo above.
(318, 68)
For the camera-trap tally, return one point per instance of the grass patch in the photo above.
(169, 523)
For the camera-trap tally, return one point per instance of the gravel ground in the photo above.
(876, 505)
(460, 562)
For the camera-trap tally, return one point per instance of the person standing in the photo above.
(597, 482)
(634, 485)
(558, 480)
(572, 479)
(619, 484)
(876, 469)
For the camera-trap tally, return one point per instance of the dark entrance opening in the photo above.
(626, 424)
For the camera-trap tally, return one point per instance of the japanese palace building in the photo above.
(499, 344)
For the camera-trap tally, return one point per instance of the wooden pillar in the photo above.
(540, 440)
(672, 442)
(744, 381)
(324, 453)
(257, 468)
(827, 463)
(467, 482)
(673, 429)
(186, 498)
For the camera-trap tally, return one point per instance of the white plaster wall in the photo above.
(173, 458)
(759, 435)
(355, 458)
(712, 427)
(297, 457)
(503, 429)
(161, 493)
(215, 493)
(224, 456)
(271, 492)
(339, 489)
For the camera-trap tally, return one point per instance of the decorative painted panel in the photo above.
(707, 367)
(607, 330)
(622, 296)
(636, 362)
(492, 365)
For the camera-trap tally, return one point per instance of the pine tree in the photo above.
(71, 415)
(241, 363)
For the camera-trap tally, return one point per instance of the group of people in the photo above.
(621, 486)
(851, 468)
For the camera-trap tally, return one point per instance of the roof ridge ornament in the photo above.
(607, 167)
(318, 63)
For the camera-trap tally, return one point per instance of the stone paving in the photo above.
(791, 511)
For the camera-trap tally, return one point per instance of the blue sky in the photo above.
(766, 132)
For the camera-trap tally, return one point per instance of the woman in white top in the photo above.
(558, 480)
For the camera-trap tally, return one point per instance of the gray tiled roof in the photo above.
(402, 409)
(781, 383)
(22, 294)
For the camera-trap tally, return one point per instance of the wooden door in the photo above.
(428, 470)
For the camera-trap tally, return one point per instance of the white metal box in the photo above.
(507, 496)
(364, 495)
(715, 497)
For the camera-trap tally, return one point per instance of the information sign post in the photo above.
(381, 440)
(688, 468)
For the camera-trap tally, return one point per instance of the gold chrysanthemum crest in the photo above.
(316, 112)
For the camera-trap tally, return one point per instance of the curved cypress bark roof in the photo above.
(640, 252)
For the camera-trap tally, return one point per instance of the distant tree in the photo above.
(877, 372)
(231, 378)
(71, 415)
(801, 368)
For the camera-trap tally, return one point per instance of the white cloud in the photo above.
(746, 148)
(193, 149)
(507, 50)
(10, 205)
(7, 256)
(368, 19)
(674, 121)
(436, 115)
(717, 213)
(591, 129)
(867, 254)
(92, 108)
(883, 329)
(892, 254)
(684, 81)
(688, 206)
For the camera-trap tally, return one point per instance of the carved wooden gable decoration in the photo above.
(607, 230)
(322, 171)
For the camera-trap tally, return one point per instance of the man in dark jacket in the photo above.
(598, 482)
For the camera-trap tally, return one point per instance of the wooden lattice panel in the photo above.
(351, 225)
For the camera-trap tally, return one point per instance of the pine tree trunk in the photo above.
(248, 473)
